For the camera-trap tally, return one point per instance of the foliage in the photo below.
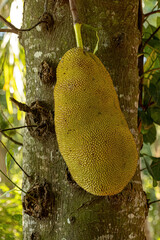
(10, 214)
(12, 71)
(10, 197)
(149, 114)
(149, 108)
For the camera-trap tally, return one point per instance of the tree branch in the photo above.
(151, 70)
(152, 12)
(152, 35)
(15, 30)
(8, 129)
(153, 202)
(72, 4)
(22, 106)
(14, 128)
(8, 23)
(13, 182)
(11, 139)
(14, 159)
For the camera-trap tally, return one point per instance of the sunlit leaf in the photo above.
(8, 160)
(146, 149)
(158, 21)
(150, 62)
(9, 103)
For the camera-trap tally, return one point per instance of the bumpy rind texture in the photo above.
(92, 133)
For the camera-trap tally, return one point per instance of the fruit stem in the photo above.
(76, 23)
(77, 30)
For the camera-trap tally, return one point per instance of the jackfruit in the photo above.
(92, 133)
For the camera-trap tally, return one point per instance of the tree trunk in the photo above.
(73, 213)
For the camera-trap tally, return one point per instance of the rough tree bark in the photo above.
(76, 214)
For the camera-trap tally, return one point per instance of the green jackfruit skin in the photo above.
(92, 133)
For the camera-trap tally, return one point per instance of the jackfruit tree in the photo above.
(95, 192)
(68, 211)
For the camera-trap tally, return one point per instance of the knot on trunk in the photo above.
(41, 116)
(39, 201)
(47, 73)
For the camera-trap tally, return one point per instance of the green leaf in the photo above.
(148, 30)
(9, 236)
(3, 123)
(150, 62)
(155, 114)
(154, 158)
(150, 136)
(154, 43)
(146, 149)
(158, 21)
(18, 218)
(148, 167)
(155, 92)
(155, 183)
(147, 121)
(146, 96)
(155, 166)
(8, 160)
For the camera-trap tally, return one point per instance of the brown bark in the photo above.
(76, 214)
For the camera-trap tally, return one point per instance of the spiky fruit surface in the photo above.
(92, 133)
